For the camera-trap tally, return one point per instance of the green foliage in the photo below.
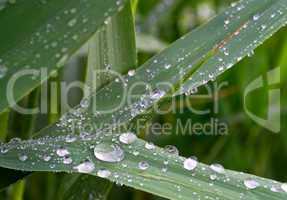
(117, 154)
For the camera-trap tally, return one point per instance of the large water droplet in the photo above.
(251, 184)
(85, 167)
(109, 152)
(217, 168)
(190, 164)
(127, 138)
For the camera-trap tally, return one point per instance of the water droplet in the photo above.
(23, 157)
(62, 152)
(284, 187)
(149, 146)
(85, 103)
(127, 138)
(4, 150)
(70, 139)
(190, 164)
(72, 22)
(157, 94)
(256, 17)
(143, 165)
(213, 177)
(226, 22)
(109, 152)
(167, 66)
(85, 167)
(131, 72)
(217, 168)
(46, 158)
(171, 149)
(104, 173)
(251, 184)
(67, 160)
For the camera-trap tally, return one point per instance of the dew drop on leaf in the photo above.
(67, 160)
(104, 173)
(23, 157)
(109, 152)
(217, 168)
(131, 72)
(251, 184)
(284, 187)
(143, 165)
(171, 149)
(46, 158)
(149, 146)
(127, 138)
(213, 177)
(62, 152)
(85, 167)
(190, 164)
(157, 94)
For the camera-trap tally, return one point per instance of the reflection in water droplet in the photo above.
(109, 152)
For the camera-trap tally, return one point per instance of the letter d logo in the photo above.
(272, 122)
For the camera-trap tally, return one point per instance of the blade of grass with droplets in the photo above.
(138, 165)
(43, 35)
(172, 69)
(108, 50)
(240, 43)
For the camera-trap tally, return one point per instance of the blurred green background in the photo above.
(246, 147)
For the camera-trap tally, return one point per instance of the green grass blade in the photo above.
(44, 34)
(165, 176)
